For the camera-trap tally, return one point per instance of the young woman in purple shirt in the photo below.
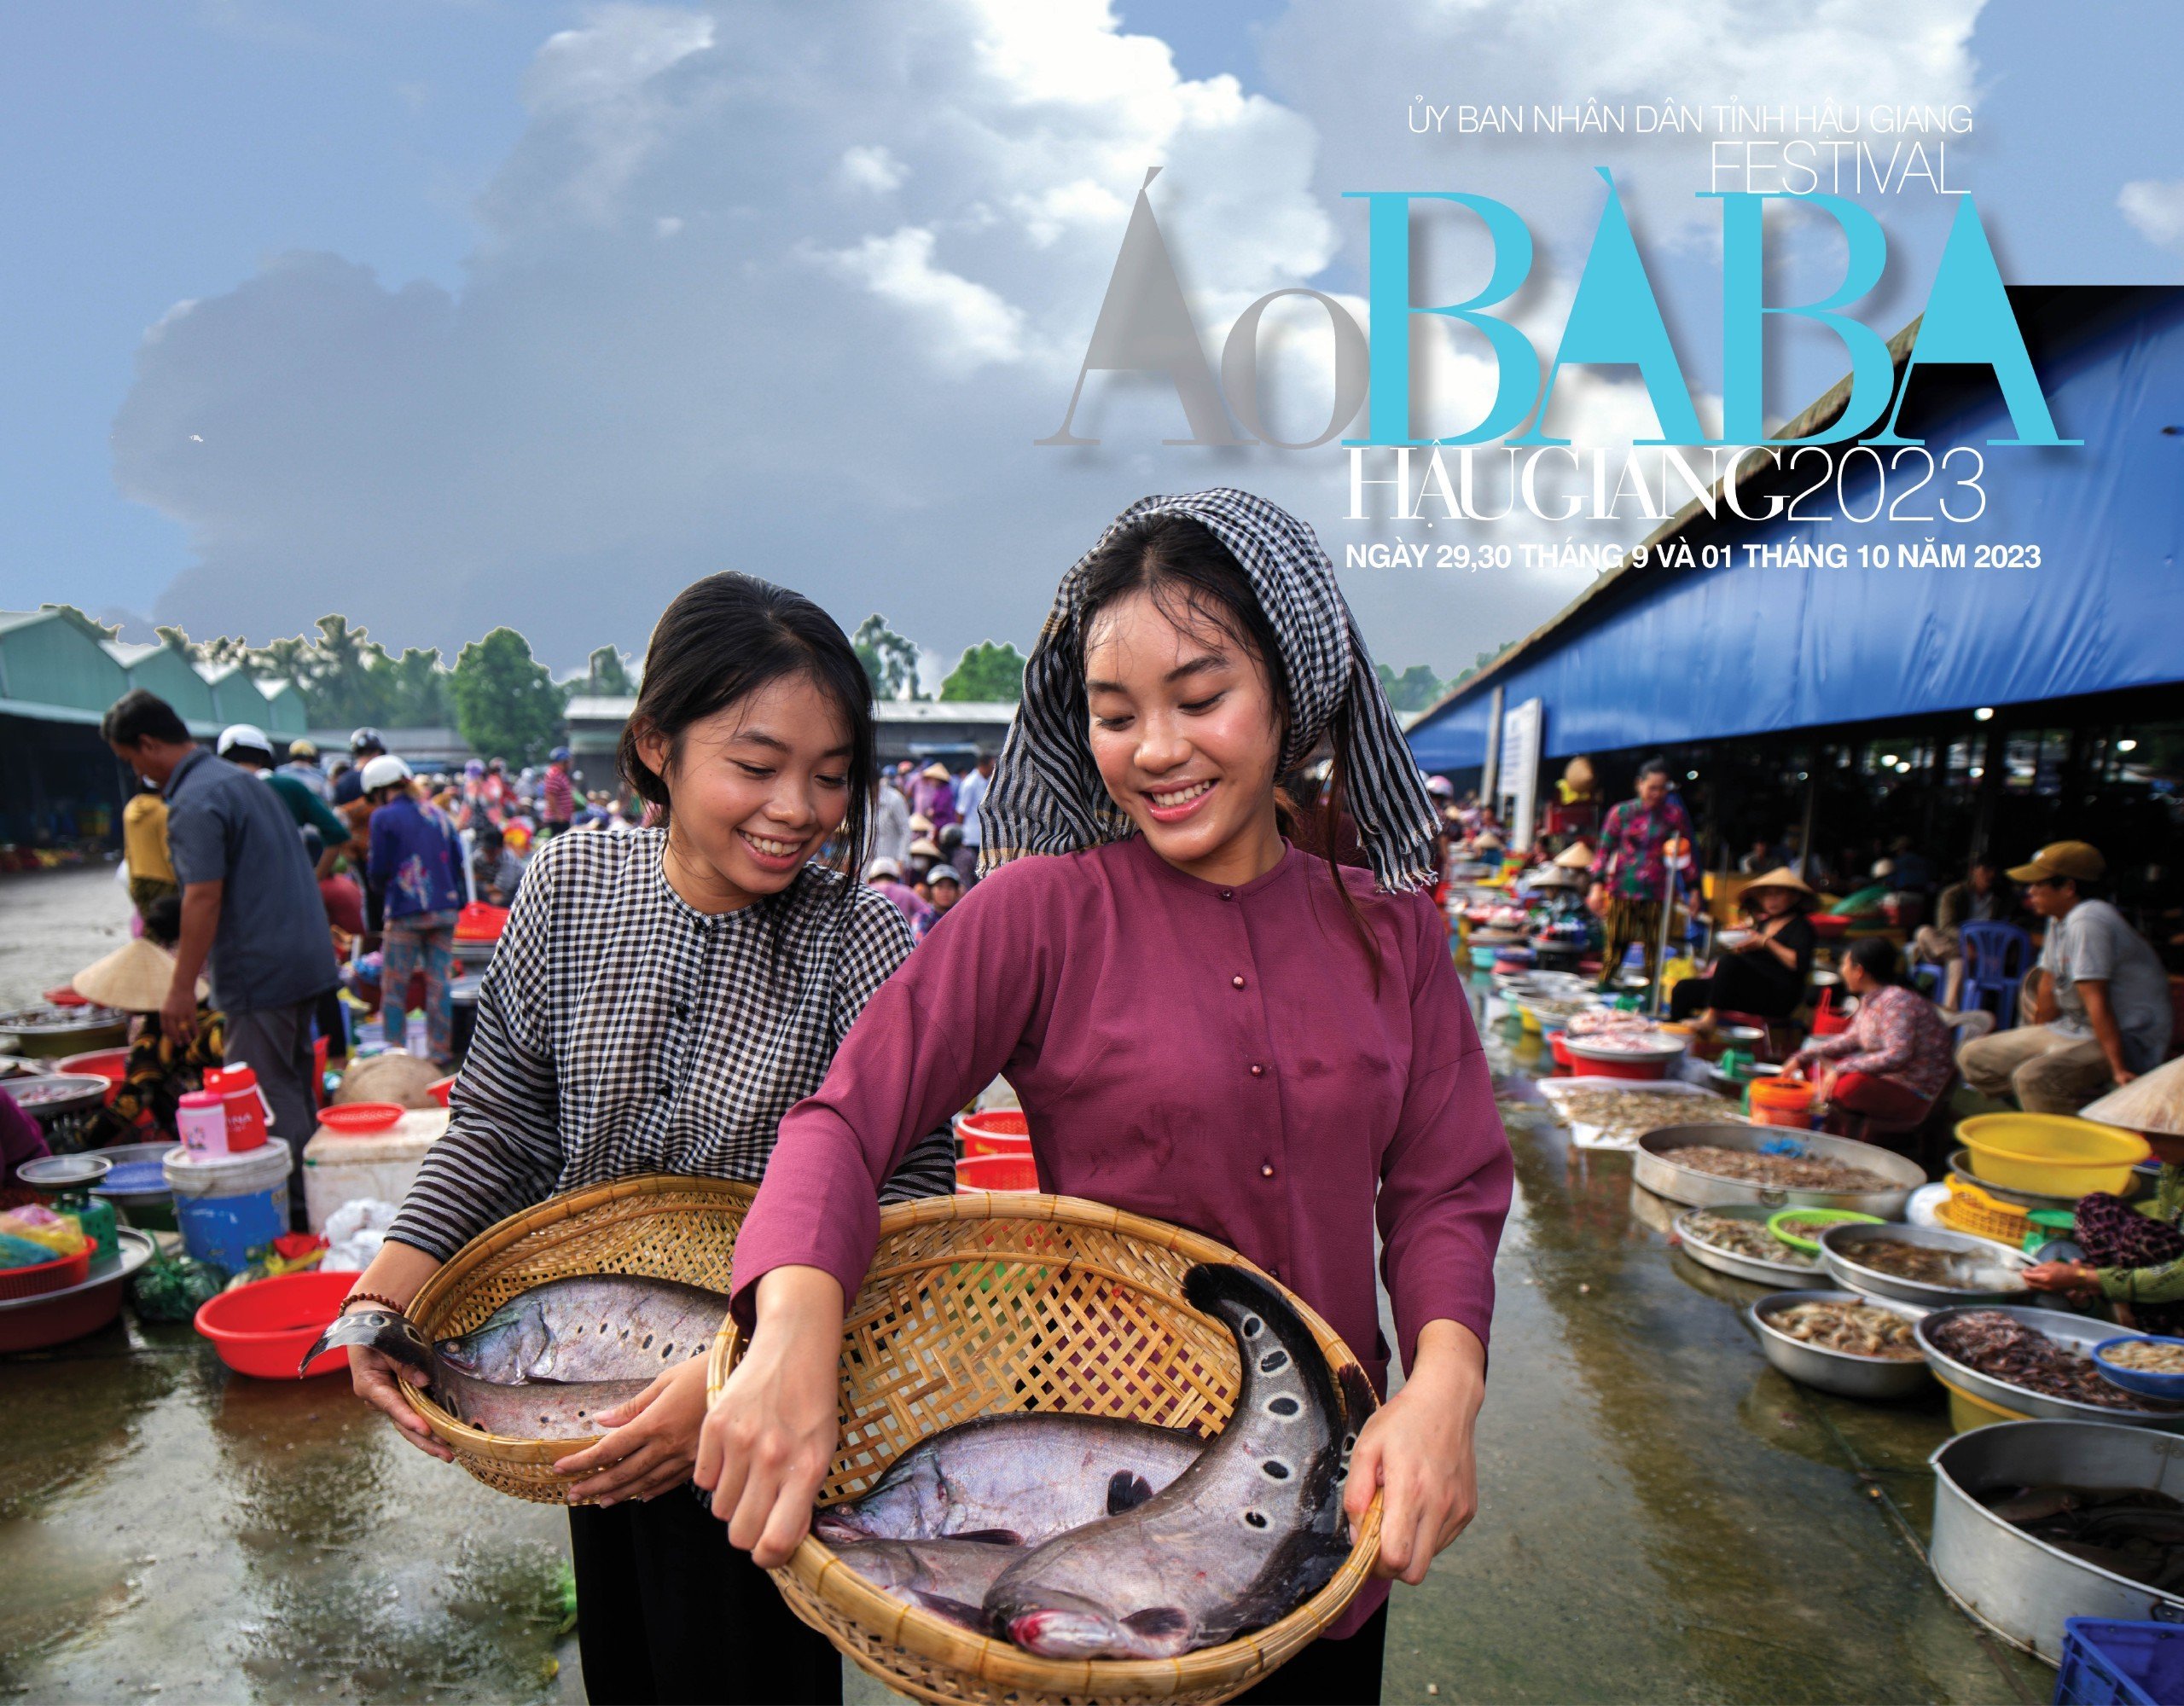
(1204, 1024)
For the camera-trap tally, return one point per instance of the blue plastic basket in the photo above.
(2110, 1663)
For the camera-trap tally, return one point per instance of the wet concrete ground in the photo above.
(1663, 1517)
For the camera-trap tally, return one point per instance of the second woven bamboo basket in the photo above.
(658, 1227)
(983, 1304)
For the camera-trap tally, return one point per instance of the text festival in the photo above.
(1614, 320)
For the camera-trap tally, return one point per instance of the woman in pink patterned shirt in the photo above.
(1895, 1057)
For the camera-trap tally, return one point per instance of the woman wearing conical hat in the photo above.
(2134, 1252)
(135, 979)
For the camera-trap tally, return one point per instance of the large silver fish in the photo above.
(1241, 1538)
(1014, 1480)
(947, 1577)
(545, 1363)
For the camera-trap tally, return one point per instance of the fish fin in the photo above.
(1158, 1623)
(380, 1330)
(1126, 1491)
(1000, 1537)
(955, 1610)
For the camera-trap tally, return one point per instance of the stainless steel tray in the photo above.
(2076, 1333)
(1838, 1247)
(2022, 1588)
(1874, 1378)
(1654, 1166)
(1774, 1275)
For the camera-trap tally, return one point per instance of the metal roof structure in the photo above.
(1775, 634)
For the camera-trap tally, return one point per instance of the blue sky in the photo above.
(160, 153)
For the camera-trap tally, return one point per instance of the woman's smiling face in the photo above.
(1186, 736)
(754, 791)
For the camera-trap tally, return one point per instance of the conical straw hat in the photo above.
(1782, 877)
(2151, 1102)
(1576, 856)
(135, 979)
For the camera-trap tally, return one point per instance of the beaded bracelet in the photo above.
(372, 1297)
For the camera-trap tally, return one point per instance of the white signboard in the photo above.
(1517, 784)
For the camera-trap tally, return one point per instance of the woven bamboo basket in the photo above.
(983, 1304)
(659, 1227)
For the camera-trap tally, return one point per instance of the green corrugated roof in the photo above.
(163, 671)
(47, 658)
(285, 718)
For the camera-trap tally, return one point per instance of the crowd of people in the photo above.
(925, 836)
(267, 885)
(2076, 1002)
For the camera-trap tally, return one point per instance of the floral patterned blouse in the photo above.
(1631, 862)
(1896, 1034)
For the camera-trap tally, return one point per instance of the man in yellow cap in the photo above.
(2100, 999)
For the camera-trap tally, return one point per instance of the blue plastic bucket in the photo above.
(227, 1206)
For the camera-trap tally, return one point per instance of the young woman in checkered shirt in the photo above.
(658, 1000)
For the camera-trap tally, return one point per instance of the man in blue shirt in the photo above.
(416, 865)
(251, 911)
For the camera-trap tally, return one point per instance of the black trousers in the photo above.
(1344, 1672)
(1739, 985)
(668, 1611)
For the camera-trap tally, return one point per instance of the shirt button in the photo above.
(681, 1010)
(1257, 1070)
(1238, 981)
(666, 1091)
(1266, 1172)
(1228, 894)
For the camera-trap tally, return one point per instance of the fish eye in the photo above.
(1254, 1326)
(1275, 1469)
(1284, 1406)
(1273, 1360)
(1254, 1519)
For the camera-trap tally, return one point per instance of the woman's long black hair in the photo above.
(722, 639)
(1191, 576)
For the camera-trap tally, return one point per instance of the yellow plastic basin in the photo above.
(1966, 1413)
(2054, 1154)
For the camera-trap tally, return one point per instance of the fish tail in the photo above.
(1234, 1295)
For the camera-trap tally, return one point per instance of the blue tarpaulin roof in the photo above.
(2087, 596)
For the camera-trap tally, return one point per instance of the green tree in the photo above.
(607, 675)
(1415, 689)
(988, 672)
(890, 661)
(416, 686)
(351, 683)
(506, 704)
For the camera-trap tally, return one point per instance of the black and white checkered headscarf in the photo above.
(1047, 797)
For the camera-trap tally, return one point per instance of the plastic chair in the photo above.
(1996, 957)
(1930, 975)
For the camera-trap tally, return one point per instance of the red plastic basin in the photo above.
(1611, 1064)
(996, 1173)
(994, 1131)
(359, 1119)
(109, 1063)
(41, 1277)
(265, 1328)
(441, 1089)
